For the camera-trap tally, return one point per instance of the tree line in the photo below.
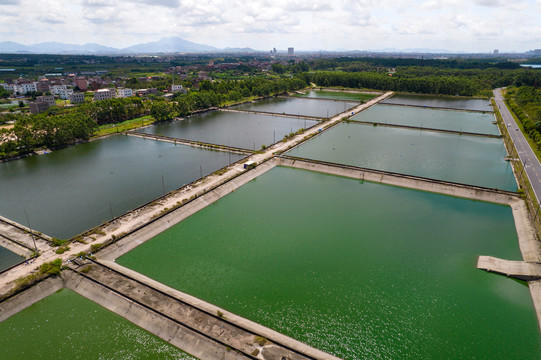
(56, 128)
(219, 93)
(525, 102)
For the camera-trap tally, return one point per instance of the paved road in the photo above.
(525, 152)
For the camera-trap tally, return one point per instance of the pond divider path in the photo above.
(424, 129)
(316, 98)
(435, 107)
(522, 270)
(308, 117)
(20, 239)
(201, 329)
(224, 148)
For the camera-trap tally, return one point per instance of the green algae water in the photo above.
(71, 190)
(448, 102)
(359, 270)
(472, 160)
(243, 130)
(8, 258)
(337, 95)
(298, 106)
(474, 122)
(68, 326)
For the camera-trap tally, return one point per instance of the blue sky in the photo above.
(455, 25)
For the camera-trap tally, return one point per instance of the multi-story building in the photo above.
(178, 88)
(103, 94)
(43, 86)
(38, 106)
(25, 87)
(48, 99)
(81, 83)
(77, 98)
(124, 92)
(8, 87)
(64, 93)
(55, 89)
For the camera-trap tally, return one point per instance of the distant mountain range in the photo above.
(165, 45)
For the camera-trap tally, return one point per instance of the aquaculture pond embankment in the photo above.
(200, 329)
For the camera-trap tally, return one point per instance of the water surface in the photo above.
(360, 270)
(472, 160)
(474, 122)
(66, 325)
(459, 103)
(336, 95)
(243, 130)
(299, 106)
(8, 258)
(71, 190)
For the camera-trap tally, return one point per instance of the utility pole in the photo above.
(31, 231)
(163, 185)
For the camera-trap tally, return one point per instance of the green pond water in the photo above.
(359, 270)
(337, 95)
(8, 258)
(474, 122)
(68, 191)
(66, 325)
(299, 106)
(244, 130)
(472, 160)
(459, 103)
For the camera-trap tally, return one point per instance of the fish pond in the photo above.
(71, 190)
(473, 160)
(66, 325)
(243, 130)
(449, 102)
(337, 95)
(461, 121)
(357, 269)
(297, 106)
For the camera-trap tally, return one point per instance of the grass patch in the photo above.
(260, 340)
(48, 269)
(62, 249)
(58, 242)
(95, 247)
(125, 126)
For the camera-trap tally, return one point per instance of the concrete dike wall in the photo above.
(22, 300)
(150, 320)
(406, 181)
(14, 247)
(200, 329)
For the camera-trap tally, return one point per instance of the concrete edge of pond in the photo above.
(15, 248)
(24, 299)
(528, 243)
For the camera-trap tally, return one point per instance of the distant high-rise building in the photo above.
(274, 51)
(496, 52)
(290, 51)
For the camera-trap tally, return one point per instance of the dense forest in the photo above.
(525, 102)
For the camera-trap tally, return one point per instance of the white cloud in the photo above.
(353, 24)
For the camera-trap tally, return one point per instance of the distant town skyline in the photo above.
(452, 25)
